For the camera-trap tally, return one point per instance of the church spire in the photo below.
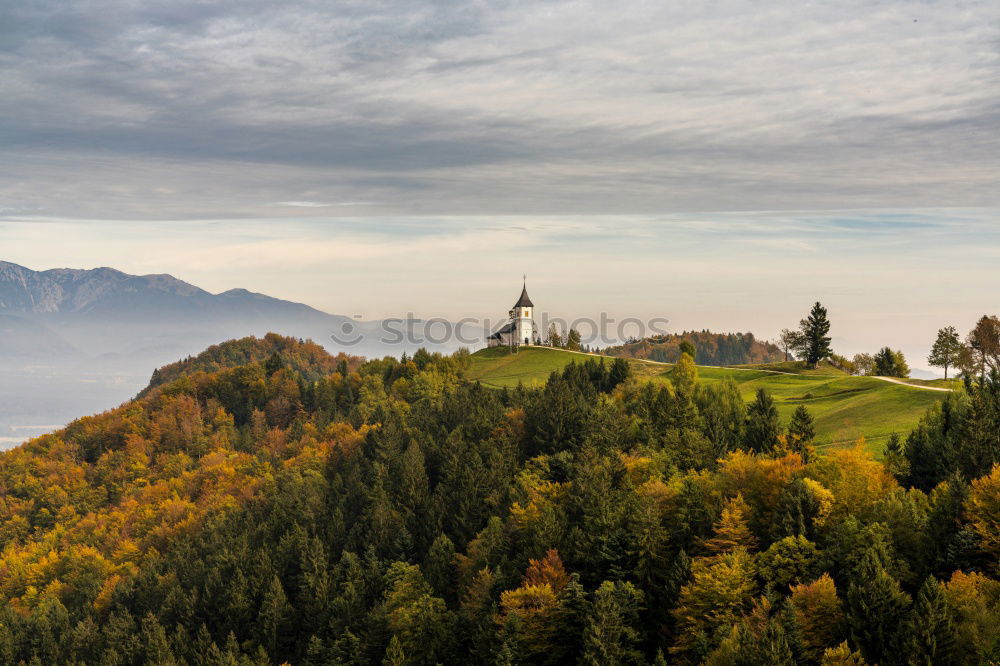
(524, 301)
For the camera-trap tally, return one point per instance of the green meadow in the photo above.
(845, 408)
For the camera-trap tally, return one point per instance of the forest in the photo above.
(266, 503)
(709, 348)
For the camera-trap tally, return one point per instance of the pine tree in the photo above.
(573, 340)
(273, 364)
(762, 426)
(610, 637)
(801, 427)
(394, 655)
(876, 610)
(440, 568)
(931, 632)
(890, 363)
(815, 340)
(155, 643)
(801, 432)
(273, 616)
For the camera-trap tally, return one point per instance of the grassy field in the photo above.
(845, 408)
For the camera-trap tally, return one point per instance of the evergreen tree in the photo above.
(273, 364)
(890, 363)
(815, 339)
(877, 608)
(723, 416)
(573, 340)
(440, 569)
(554, 339)
(762, 426)
(801, 432)
(931, 634)
(273, 617)
(394, 655)
(797, 509)
(610, 637)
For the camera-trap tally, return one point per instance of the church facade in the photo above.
(520, 330)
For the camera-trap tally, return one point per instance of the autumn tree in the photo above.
(720, 592)
(864, 364)
(842, 655)
(684, 375)
(732, 530)
(790, 341)
(984, 343)
(818, 613)
(983, 511)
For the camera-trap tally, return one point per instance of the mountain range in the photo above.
(76, 341)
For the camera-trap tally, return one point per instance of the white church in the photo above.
(520, 330)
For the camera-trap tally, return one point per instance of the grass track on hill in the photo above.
(845, 408)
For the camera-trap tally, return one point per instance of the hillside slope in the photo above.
(274, 512)
(846, 408)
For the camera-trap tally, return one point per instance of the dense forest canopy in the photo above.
(710, 348)
(270, 504)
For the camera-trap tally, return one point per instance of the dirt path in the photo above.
(891, 380)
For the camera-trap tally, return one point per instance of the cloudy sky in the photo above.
(376, 157)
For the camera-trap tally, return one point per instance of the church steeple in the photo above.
(524, 301)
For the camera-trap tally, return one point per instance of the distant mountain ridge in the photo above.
(110, 292)
(77, 341)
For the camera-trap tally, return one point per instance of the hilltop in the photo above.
(710, 348)
(845, 407)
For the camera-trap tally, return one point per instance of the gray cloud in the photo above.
(179, 109)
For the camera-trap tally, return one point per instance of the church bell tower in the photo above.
(524, 325)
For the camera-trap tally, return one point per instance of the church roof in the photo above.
(506, 328)
(524, 301)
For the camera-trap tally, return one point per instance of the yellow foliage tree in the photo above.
(732, 530)
(842, 656)
(983, 511)
(818, 612)
(721, 590)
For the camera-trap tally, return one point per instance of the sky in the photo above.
(723, 164)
